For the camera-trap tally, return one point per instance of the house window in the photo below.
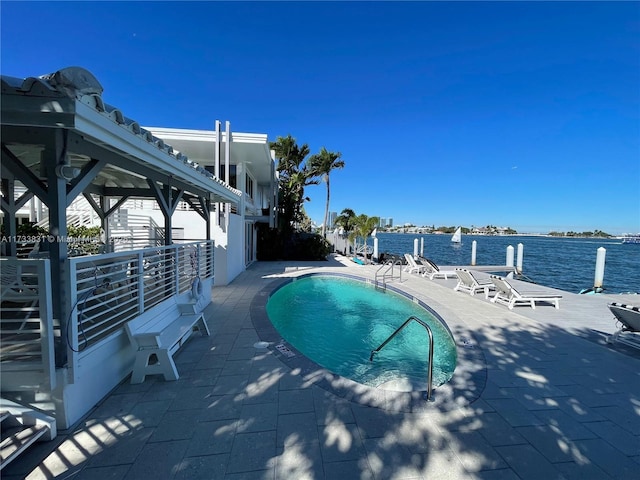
(232, 175)
(248, 186)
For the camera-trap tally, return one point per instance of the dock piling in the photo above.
(599, 277)
(510, 259)
(473, 253)
(519, 259)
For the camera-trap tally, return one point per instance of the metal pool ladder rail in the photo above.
(430, 368)
(390, 264)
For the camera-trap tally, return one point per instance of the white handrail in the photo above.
(430, 360)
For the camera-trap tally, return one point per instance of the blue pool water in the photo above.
(336, 322)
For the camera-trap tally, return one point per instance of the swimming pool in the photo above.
(337, 321)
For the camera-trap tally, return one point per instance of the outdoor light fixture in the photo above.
(67, 172)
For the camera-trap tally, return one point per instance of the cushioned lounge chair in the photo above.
(412, 265)
(468, 282)
(628, 317)
(432, 270)
(507, 294)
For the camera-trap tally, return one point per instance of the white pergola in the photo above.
(61, 140)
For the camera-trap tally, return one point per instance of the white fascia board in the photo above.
(207, 135)
(184, 134)
(249, 137)
(120, 138)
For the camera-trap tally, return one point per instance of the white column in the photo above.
(227, 159)
(375, 248)
(422, 247)
(216, 152)
(216, 167)
(227, 150)
(415, 248)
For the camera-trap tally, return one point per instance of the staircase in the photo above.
(126, 230)
(20, 427)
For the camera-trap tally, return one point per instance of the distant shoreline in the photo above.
(615, 237)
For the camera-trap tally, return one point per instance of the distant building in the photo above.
(385, 222)
(332, 219)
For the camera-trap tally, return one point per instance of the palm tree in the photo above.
(364, 227)
(347, 220)
(322, 164)
(294, 176)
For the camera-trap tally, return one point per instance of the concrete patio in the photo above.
(537, 394)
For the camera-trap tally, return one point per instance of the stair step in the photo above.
(4, 415)
(16, 440)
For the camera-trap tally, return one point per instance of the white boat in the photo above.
(456, 239)
(631, 239)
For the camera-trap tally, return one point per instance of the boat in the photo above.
(631, 239)
(456, 239)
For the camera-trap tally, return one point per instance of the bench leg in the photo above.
(203, 327)
(164, 366)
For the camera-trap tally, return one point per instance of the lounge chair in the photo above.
(468, 282)
(432, 271)
(629, 318)
(412, 265)
(507, 294)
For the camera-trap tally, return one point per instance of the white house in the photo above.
(244, 161)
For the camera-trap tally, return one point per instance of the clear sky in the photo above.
(514, 114)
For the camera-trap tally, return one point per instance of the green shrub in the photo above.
(272, 245)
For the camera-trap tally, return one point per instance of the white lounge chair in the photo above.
(507, 294)
(432, 271)
(629, 318)
(412, 265)
(468, 282)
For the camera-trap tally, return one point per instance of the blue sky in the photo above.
(509, 113)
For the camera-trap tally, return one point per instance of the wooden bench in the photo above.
(158, 334)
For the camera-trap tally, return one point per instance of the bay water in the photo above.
(558, 262)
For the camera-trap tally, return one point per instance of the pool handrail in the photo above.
(430, 368)
(389, 264)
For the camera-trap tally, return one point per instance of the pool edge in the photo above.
(464, 388)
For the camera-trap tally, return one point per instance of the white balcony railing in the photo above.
(113, 288)
(27, 328)
(106, 291)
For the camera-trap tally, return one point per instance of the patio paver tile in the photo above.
(253, 452)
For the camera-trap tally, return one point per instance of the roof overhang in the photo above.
(32, 108)
(246, 148)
